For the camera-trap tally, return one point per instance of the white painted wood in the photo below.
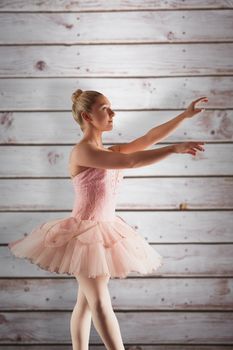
(127, 294)
(60, 127)
(124, 93)
(155, 27)
(129, 347)
(111, 5)
(158, 327)
(101, 61)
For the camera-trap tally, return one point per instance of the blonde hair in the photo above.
(83, 102)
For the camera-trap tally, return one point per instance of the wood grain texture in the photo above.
(128, 347)
(110, 5)
(185, 326)
(155, 27)
(46, 127)
(150, 294)
(150, 60)
(37, 94)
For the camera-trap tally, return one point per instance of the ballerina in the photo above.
(93, 243)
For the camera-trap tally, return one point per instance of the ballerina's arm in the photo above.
(152, 137)
(159, 132)
(90, 156)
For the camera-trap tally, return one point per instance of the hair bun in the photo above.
(76, 95)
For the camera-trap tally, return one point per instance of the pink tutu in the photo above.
(93, 240)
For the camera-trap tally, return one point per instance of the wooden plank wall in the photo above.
(151, 58)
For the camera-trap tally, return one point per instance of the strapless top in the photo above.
(95, 193)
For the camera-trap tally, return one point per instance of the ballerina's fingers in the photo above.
(204, 98)
(194, 149)
(199, 147)
(191, 151)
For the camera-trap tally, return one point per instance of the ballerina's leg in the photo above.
(103, 316)
(80, 323)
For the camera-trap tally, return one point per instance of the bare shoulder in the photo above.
(79, 146)
(82, 146)
(74, 167)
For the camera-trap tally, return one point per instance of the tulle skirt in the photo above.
(72, 246)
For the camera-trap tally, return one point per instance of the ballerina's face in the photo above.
(102, 114)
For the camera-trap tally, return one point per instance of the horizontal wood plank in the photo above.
(128, 294)
(111, 5)
(161, 327)
(128, 347)
(155, 27)
(60, 127)
(101, 61)
(49, 94)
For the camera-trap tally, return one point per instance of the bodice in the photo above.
(95, 193)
